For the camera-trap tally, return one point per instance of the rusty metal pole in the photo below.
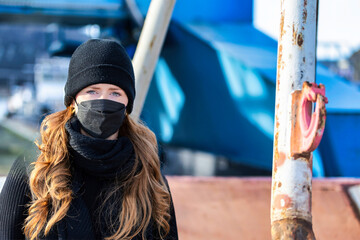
(148, 49)
(297, 133)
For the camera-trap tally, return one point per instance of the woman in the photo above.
(98, 174)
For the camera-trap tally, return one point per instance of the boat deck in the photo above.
(239, 208)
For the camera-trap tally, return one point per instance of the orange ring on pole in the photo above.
(312, 125)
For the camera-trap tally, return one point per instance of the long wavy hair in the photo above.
(145, 196)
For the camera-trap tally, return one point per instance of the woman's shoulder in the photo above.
(18, 175)
(14, 197)
(21, 168)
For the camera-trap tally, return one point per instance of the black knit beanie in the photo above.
(100, 61)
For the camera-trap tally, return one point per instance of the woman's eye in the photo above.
(116, 94)
(91, 92)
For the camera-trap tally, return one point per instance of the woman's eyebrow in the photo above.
(116, 89)
(94, 88)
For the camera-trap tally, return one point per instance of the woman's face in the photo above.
(102, 91)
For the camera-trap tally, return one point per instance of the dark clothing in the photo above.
(13, 198)
(99, 157)
(85, 219)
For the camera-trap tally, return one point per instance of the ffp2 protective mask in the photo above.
(101, 118)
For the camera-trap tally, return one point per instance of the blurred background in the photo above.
(212, 98)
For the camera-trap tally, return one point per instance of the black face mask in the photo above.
(101, 117)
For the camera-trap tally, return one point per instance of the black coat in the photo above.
(15, 197)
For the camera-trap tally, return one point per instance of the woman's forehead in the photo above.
(104, 86)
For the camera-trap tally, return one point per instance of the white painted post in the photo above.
(149, 47)
(292, 174)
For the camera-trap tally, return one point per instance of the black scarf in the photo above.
(100, 157)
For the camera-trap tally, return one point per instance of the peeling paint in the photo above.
(282, 201)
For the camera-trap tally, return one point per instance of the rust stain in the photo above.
(277, 123)
(273, 188)
(305, 12)
(294, 34)
(280, 55)
(276, 154)
(306, 85)
(279, 185)
(322, 119)
(310, 162)
(295, 126)
(282, 158)
(282, 32)
(297, 38)
(300, 40)
(279, 66)
(152, 41)
(306, 188)
(276, 138)
(276, 151)
(304, 17)
(303, 156)
(292, 229)
(282, 201)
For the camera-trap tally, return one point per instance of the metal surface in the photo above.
(292, 166)
(149, 47)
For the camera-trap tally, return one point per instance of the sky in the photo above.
(338, 31)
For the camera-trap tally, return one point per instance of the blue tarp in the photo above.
(208, 10)
(259, 52)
